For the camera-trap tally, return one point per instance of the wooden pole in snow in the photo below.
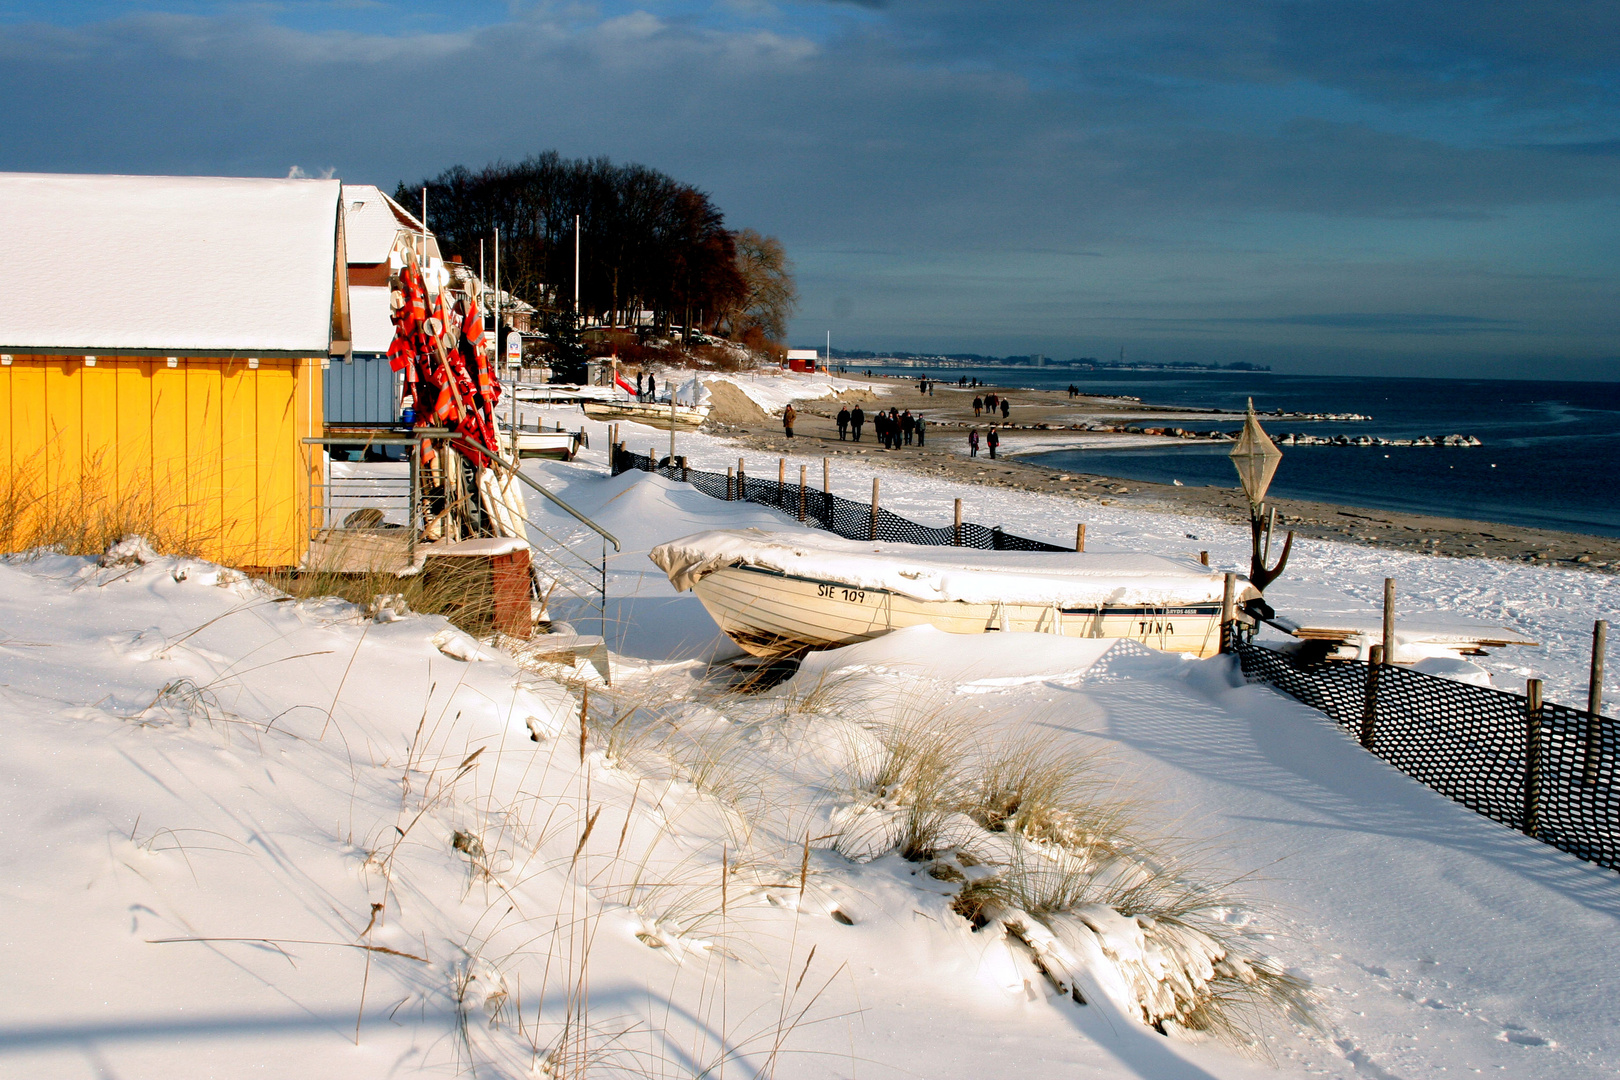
(729, 480)
(1389, 620)
(1203, 557)
(873, 532)
(1532, 757)
(958, 523)
(1594, 703)
(1369, 697)
(801, 492)
(1228, 596)
(1080, 536)
(826, 476)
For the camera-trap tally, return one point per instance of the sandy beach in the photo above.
(1043, 419)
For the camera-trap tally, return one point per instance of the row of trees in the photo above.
(648, 243)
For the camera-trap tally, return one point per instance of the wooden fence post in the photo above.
(1203, 557)
(1080, 536)
(873, 531)
(826, 476)
(1594, 704)
(742, 482)
(728, 483)
(1369, 698)
(684, 478)
(1389, 620)
(1228, 614)
(1532, 757)
(958, 532)
(801, 492)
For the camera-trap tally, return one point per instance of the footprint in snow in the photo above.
(1520, 1037)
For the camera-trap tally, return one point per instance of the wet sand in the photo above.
(950, 415)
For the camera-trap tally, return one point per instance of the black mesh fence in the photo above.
(1549, 771)
(820, 510)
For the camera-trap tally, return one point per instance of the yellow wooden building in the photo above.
(161, 351)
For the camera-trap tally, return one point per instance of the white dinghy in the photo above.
(781, 593)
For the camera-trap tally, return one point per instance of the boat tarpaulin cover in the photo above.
(1071, 579)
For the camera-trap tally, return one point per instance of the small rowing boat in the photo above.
(650, 413)
(558, 444)
(777, 594)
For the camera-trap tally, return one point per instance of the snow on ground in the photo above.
(1554, 606)
(1441, 941)
(245, 832)
(772, 391)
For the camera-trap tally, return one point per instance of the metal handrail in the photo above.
(587, 522)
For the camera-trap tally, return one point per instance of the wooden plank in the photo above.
(202, 465)
(167, 431)
(132, 422)
(7, 479)
(64, 420)
(311, 380)
(99, 438)
(28, 442)
(238, 454)
(279, 487)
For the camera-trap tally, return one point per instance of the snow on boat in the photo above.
(559, 444)
(781, 593)
(650, 413)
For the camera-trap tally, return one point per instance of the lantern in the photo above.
(1256, 458)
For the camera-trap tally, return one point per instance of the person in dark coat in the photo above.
(973, 442)
(978, 407)
(857, 420)
(1006, 409)
(843, 422)
(641, 395)
(907, 424)
(652, 388)
(788, 416)
(880, 428)
(918, 424)
(992, 440)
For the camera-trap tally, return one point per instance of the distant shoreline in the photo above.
(941, 456)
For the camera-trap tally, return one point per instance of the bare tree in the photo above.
(769, 294)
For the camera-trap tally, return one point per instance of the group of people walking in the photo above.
(894, 428)
(992, 439)
(991, 402)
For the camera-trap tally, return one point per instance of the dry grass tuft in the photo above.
(1048, 792)
(87, 514)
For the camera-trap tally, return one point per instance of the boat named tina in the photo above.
(777, 594)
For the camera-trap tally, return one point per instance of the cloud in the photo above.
(1044, 172)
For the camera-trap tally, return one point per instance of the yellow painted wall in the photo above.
(203, 457)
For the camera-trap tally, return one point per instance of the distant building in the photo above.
(803, 359)
(363, 391)
(161, 354)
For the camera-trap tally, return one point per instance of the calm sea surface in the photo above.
(1551, 456)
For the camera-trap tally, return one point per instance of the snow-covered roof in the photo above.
(372, 221)
(368, 315)
(183, 263)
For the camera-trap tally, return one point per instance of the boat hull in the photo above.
(560, 445)
(772, 614)
(646, 413)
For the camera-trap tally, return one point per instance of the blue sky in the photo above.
(1417, 187)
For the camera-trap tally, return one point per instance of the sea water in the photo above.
(1550, 459)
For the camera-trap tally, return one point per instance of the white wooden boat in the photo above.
(561, 445)
(649, 413)
(781, 593)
